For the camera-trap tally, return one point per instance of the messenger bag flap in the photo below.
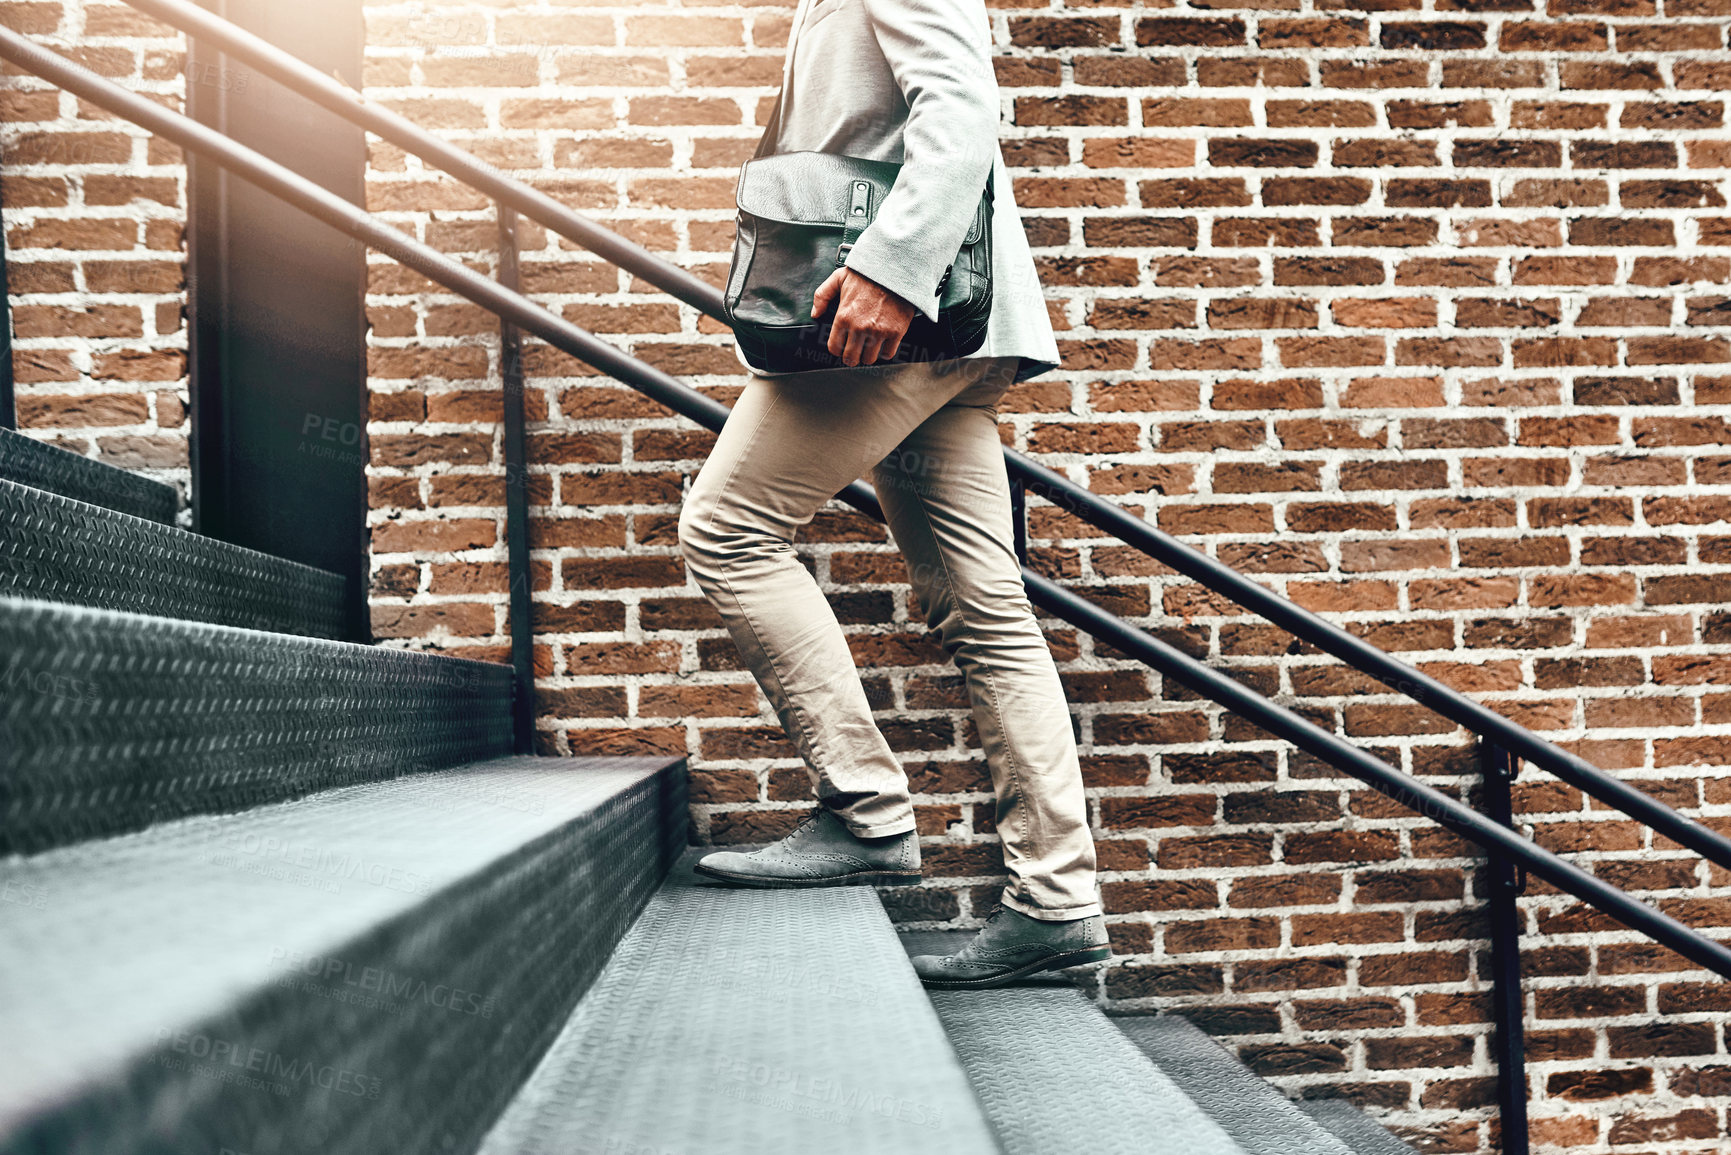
(816, 188)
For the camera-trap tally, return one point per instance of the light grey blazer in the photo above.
(911, 81)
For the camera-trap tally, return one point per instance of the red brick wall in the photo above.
(94, 212)
(1414, 315)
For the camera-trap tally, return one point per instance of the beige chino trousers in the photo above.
(927, 434)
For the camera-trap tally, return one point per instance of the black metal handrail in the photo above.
(1063, 603)
(1034, 477)
(331, 93)
(1366, 658)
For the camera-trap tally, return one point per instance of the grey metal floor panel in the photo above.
(371, 969)
(750, 1022)
(1055, 1075)
(1361, 1134)
(1248, 1107)
(28, 461)
(60, 550)
(111, 721)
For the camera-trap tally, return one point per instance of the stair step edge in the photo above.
(35, 463)
(1248, 1107)
(111, 721)
(1054, 1074)
(464, 882)
(1362, 1134)
(736, 1021)
(56, 548)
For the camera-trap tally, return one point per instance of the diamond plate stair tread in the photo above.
(208, 925)
(27, 461)
(110, 721)
(1054, 1074)
(54, 548)
(1249, 1108)
(1361, 1134)
(750, 1022)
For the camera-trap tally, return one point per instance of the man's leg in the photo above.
(790, 445)
(947, 497)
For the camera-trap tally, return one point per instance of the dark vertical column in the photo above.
(277, 308)
(1019, 518)
(1506, 881)
(516, 498)
(8, 403)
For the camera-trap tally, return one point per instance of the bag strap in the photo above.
(772, 130)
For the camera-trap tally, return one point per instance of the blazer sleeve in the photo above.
(939, 52)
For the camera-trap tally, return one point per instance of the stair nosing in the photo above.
(112, 720)
(1251, 1109)
(22, 456)
(448, 849)
(71, 552)
(766, 1009)
(1050, 1024)
(1361, 1134)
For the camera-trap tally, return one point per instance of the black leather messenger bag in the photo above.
(799, 214)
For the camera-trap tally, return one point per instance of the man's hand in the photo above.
(869, 320)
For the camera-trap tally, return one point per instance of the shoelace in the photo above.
(967, 950)
(809, 822)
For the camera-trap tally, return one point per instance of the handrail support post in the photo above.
(8, 403)
(1019, 517)
(516, 498)
(1505, 883)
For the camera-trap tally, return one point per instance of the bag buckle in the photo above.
(859, 214)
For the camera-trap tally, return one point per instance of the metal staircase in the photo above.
(273, 893)
(268, 892)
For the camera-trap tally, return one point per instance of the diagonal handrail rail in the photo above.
(331, 93)
(1278, 720)
(1037, 478)
(1384, 667)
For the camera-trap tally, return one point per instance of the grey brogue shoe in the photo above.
(1013, 946)
(821, 851)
